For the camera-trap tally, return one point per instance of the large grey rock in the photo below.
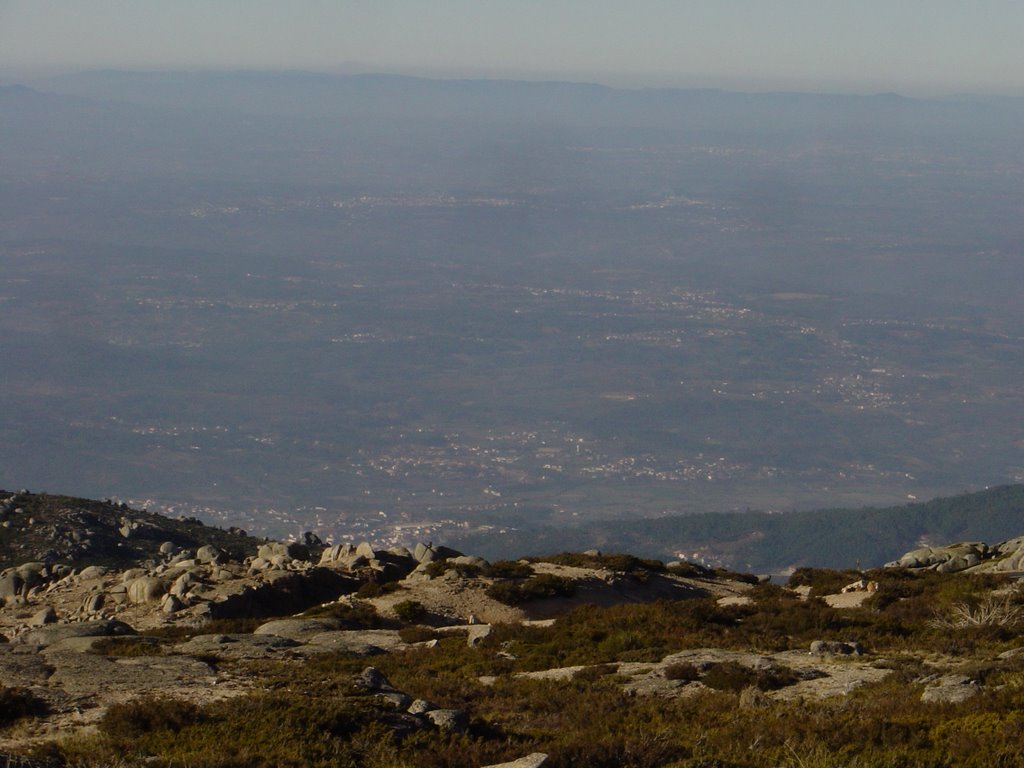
(291, 549)
(43, 617)
(949, 559)
(146, 589)
(171, 604)
(89, 644)
(533, 760)
(363, 642)
(835, 648)
(92, 572)
(235, 646)
(211, 554)
(420, 707)
(365, 550)
(339, 553)
(477, 633)
(55, 633)
(83, 674)
(951, 689)
(300, 630)
(397, 699)
(11, 586)
(372, 679)
(22, 667)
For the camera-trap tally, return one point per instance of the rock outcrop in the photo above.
(970, 556)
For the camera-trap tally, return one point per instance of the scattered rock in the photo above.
(951, 689)
(46, 616)
(420, 707)
(210, 554)
(45, 636)
(146, 589)
(477, 634)
(451, 720)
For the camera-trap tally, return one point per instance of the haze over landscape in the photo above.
(393, 275)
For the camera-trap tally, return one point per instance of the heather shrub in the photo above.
(542, 586)
(18, 703)
(132, 719)
(417, 633)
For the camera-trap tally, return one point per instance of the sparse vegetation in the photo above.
(304, 710)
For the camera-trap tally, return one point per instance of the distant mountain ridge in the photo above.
(308, 94)
(765, 543)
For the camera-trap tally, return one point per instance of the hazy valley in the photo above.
(398, 309)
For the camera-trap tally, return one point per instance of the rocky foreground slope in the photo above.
(430, 641)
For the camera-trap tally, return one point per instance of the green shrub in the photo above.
(352, 615)
(508, 569)
(409, 610)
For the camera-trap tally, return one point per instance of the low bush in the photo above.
(508, 569)
(372, 588)
(438, 568)
(683, 670)
(18, 703)
(540, 587)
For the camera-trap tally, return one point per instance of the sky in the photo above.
(914, 47)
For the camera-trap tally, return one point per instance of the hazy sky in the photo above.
(910, 46)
